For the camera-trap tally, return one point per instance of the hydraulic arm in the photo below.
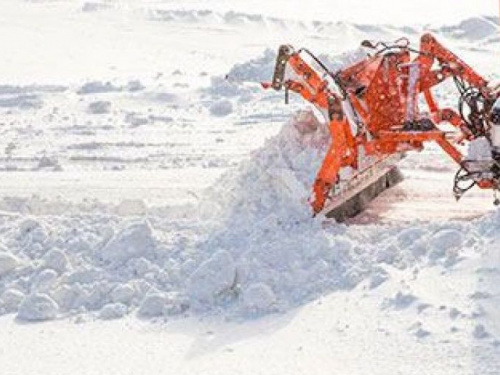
(372, 111)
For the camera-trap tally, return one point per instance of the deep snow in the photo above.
(147, 175)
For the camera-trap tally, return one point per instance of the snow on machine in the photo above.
(373, 113)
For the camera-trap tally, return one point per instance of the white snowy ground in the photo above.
(153, 215)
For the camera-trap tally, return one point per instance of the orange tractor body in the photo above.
(372, 107)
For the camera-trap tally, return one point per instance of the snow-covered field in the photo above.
(153, 214)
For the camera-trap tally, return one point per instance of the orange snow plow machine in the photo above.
(372, 109)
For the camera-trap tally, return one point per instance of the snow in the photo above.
(213, 279)
(134, 241)
(153, 199)
(221, 108)
(37, 307)
(8, 262)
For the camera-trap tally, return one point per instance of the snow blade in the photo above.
(357, 202)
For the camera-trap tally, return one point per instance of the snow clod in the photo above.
(213, 278)
(259, 297)
(135, 240)
(8, 262)
(221, 108)
(113, 311)
(37, 307)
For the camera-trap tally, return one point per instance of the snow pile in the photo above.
(255, 250)
(255, 70)
(276, 180)
(282, 256)
(61, 267)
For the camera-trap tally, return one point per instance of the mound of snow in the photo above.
(255, 70)
(276, 181)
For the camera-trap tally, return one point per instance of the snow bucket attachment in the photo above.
(353, 202)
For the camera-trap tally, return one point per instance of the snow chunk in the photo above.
(480, 332)
(122, 293)
(378, 277)
(221, 108)
(153, 305)
(45, 280)
(400, 301)
(37, 307)
(134, 241)
(11, 299)
(135, 85)
(49, 162)
(213, 278)
(157, 304)
(259, 297)
(69, 297)
(113, 311)
(135, 119)
(422, 333)
(444, 242)
(8, 262)
(99, 107)
(57, 260)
